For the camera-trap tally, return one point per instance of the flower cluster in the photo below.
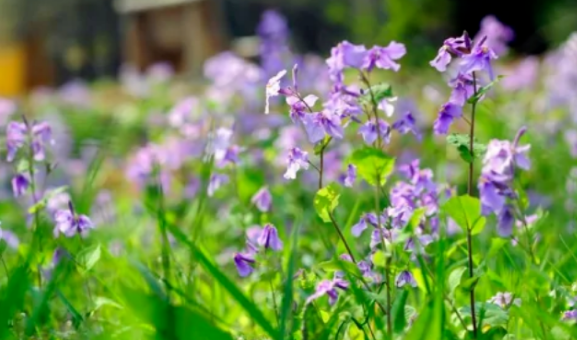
(256, 238)
(496, 181)
(474, 57)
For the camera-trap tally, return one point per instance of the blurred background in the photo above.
(51, 42)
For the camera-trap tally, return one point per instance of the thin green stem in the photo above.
(387, 262)
(470, 185)
(274, 305)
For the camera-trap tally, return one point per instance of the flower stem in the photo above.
(470, 193)
(387, 262)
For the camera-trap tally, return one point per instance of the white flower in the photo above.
(272, 88)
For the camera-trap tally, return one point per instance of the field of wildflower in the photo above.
(340, 196)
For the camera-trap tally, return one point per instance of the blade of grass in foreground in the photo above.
(288, 288)
(227, 284)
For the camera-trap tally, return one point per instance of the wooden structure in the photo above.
(183, 33)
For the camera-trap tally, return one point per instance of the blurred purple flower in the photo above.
(478, 60)
(405, 278)
(273, 88)
(498, 34)
(523, 76)
(384, 57)
(370, 131)
(448, 113)
(351, 176)
(407, 124)
(299, 107)
(269, 238)
(570, 315)
(70, 224)
(462, 89)
(319, 124)
(329, 288)
(297, 159)
(244, 263)
(10, 238)
(365, 220)
(262, 199)
(18, 134)
(215, 182)
(504, 299)
(20, 184)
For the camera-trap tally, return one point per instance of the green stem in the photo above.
(470, 185)
(387, 262)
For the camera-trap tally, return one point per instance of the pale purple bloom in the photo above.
(523, 76)
(365, 220)
(462, 89)
(319, 124)
(15, 138)
(329, 288)
(273, 88)
(407, 124)
(10, 238)
(370, 131)
(457, 46)
(478, 60)
(386, 106)
(69, 223)
(299, 107)
(230, 156)
(442, 59)
(504, 299)
(351, 176)
(244, 263)
(346, 54)
(269, 238)
(491, 197)
(20, 184)
(505, 221)
(297, 159)
(262, 199)
(448, 113)
(405, 278)
(215, 182)
(384, 57)
(498, 34)
(570, 315)
(184, 112)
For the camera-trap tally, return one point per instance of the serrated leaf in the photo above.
(462, 143)
(88, 257)
(379, 92)
(466, 212)
(373, 165)
(326, 200)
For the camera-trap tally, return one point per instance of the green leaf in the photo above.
(326, 200)
(88, 257)
(497, 244)
(463, 144)
(379, 92)
(417, 217)
(287, 300)
(255, 313)
(380, 258)
(337, 265)
(468, 283)
(466, 212)
(373, 165)
(483, 90)
(76, 316)
(455, 279)
(101, 301)
(13, 297)
(319, 147)
(398, 311)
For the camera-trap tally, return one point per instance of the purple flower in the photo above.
(447, 114)
(351, 176)
(215, 182)
(297, 159)
(384, 57)
(10, 238)
(262, 199)
(243, 264)
(20, 184)
(504, 299)
(320, 123)
(442, 59)
(367, 218)
(570, 315)
(491, 197)
(505, 221)
(405, 278)
(369, 131)
(386, 106)
(478, 60)
(70, 224)
(346, 54)
(15, 138)
(329, 288)
(462, 89)
(407, 124)
(273, 88)
(269, 238)
(498, 34)
(230, 156)
(299, 107)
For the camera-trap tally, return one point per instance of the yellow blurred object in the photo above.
(12, 69)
